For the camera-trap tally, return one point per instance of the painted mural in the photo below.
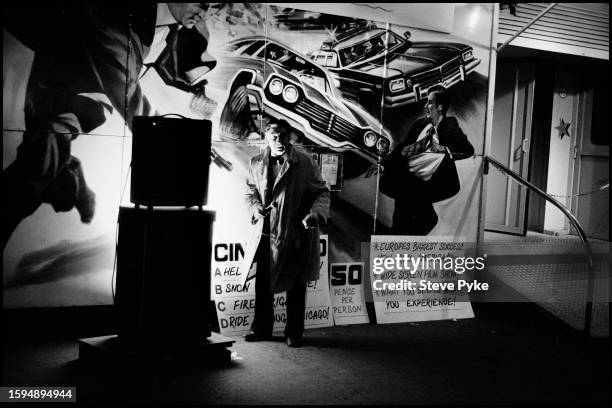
(357, 94)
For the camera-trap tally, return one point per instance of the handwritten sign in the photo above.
(413, 280)
(346, 287)
(235, 302)
(318, 303)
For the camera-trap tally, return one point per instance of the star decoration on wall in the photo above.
(563, 129)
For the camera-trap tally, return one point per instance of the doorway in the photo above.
(512, 118)
(591, 199)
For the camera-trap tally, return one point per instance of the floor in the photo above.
(510, 354)
(552, 272)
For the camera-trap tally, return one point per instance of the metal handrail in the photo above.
(589, 305)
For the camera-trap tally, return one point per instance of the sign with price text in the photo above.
(346, 286)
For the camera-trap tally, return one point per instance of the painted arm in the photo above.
(457, 142)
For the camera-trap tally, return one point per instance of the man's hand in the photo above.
(437, 148)
(261, 213)
(415, 148)
(311, 220)
(264, 212)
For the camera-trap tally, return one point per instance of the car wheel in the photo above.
(236, 120)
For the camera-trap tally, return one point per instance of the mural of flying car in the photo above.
(264, 77)
(371, 63)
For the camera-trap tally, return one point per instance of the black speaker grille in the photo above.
(170, 161)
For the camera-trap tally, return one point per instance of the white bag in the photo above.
(424, 165)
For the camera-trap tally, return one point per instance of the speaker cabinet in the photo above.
(170, 161)
(163, 274)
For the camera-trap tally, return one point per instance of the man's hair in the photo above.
(442, 97)
(280, 123)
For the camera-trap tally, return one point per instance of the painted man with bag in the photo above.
(421, 170)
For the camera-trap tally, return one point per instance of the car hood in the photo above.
(398, 64)
(438, 52)
(334, 103)
(419, 56)
(366, 119)
(344, 108)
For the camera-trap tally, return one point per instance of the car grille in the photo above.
(435, 76)
(326, 122)
(451, 68)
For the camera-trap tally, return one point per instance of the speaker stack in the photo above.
(163, 254)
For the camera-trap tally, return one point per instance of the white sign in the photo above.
(413, 278)
(235, 302)
(346, 287)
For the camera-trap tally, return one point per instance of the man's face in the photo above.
(188, 14)
(278, 139)
(432, 110)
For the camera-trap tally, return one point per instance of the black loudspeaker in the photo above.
(163, 274)
(170, 161)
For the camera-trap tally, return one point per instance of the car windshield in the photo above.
(298, 66)
(326, 59)
(367, 49)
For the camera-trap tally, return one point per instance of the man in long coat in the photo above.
(286, 193)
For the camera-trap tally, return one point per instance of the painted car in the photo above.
(271, 79)
(371, 63)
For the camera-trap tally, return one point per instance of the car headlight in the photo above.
(290, 94)
(397, 85)
(382, 145)
(468, 55)
(275, 86)
(369, 138)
